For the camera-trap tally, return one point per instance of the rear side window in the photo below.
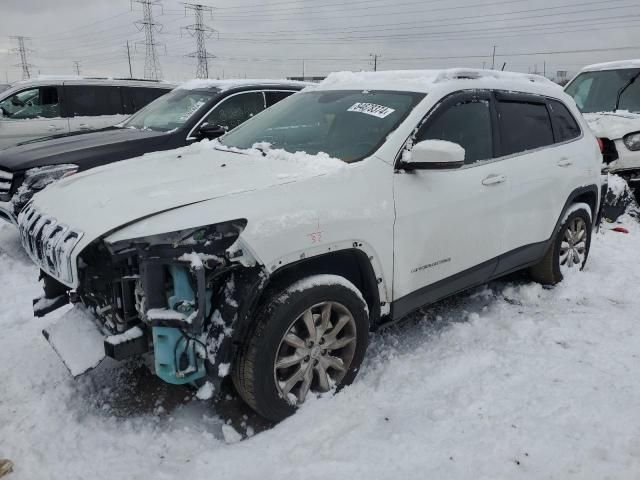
(236, 109)
(275, 97)
(468, 124)
(565, 125)
(135, 98)
(93, 101)
(524, 126)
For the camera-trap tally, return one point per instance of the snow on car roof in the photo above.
(620, 64)
(232, 83)
(426, 80)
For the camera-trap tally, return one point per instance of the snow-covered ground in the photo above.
(507, 381)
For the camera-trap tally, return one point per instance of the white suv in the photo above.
(249, 258)
(608, 94)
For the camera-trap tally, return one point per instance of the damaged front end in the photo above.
(176, 295)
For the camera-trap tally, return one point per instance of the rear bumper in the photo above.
(7, 213)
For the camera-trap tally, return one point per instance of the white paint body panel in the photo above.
(295, 211)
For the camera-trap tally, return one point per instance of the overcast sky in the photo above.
(271, 38)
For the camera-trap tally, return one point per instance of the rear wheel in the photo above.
(308, 338)
(569, 249)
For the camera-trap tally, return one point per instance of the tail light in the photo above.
(600, 144)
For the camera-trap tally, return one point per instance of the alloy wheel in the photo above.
(315, 352)
(573, 247)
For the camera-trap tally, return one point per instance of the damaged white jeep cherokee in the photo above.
(249, 258)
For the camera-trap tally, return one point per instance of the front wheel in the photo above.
(310, 337)
(570, 247)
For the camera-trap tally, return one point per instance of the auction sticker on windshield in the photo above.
(379, 111)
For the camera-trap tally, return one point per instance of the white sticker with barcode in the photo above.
(379, 111)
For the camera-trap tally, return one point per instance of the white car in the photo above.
(247, 257)
(608, 94)
(52, 106)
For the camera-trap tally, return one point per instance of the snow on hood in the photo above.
(106, 198)
(613, 125)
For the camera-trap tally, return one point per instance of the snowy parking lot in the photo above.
(507, 381)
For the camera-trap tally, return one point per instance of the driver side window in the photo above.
(236, 109)
(41, 102)
(467, 123)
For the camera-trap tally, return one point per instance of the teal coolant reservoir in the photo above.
(176, 356)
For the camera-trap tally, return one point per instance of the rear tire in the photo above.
(569, 249)
(307, 338)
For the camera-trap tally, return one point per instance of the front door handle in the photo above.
(53, 128)
(564, 162)
(494, 179)
(84, 126)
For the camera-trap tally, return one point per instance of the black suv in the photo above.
(197, 110)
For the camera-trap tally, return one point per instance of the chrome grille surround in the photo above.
(48, 243)
(6, 180)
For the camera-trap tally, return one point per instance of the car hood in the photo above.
(107, 198)
(613, 125)
(86, 149)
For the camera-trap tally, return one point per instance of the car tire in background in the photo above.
(310, 337)
(569, 249)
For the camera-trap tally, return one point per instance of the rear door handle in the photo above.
(494, 179)
(84, 126)
(53, 128)
(564, 162)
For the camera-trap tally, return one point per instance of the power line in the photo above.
(152, 69)
(201, 32)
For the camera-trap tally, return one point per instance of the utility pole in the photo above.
(76, 63)
(544, 68)
(201, 32)
(303, 69)
(21, 51)
(152, 68)
(375, 60)
(493, 58)
(129, 58)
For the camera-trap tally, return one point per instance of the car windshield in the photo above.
(349, 125)
(171, 111)
(598, 91)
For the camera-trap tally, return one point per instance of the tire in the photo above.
(338, 314)
(563, 254)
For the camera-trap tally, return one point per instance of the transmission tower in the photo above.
(76, 64)
(201, 32)
(21, 51)
(152, 69)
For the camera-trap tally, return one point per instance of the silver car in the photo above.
(45, 107)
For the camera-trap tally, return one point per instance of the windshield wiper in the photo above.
(622, 90)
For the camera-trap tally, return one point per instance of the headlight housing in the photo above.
(214, 238)
(632, 141)
(39, 177)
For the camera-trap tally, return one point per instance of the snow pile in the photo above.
(613, 125)
(131, 334)
(318, 163)
(508, 381)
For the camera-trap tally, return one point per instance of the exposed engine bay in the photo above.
(173, 295)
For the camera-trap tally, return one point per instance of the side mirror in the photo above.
(433, 155)
(211, 131)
